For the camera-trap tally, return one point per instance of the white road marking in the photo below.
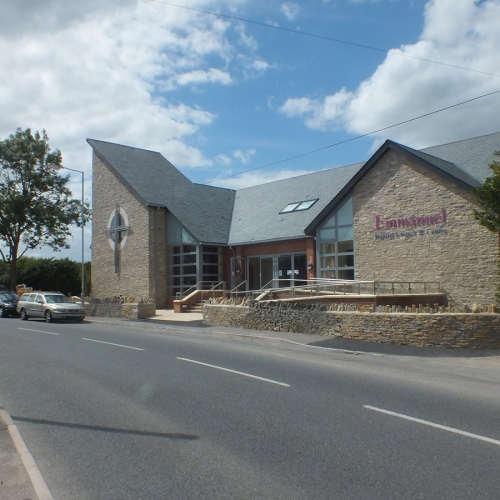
(39, 331)
(432, 424)
(117, 345)
(235, 372)
(40, 486)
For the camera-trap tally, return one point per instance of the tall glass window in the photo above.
(188, 262)
(336, 245)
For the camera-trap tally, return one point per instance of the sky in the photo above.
(237, 92)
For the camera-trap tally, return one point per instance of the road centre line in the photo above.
(117, 345)
(235, 372)
(432, 424)
(39, 331)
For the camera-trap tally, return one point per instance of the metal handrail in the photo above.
(215, 287)
(234, 291)
(346, 287)
(199, 286)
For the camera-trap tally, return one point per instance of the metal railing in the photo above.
(204, 287)
(324, 286)
(234, 292)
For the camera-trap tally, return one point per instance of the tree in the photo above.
(489, 199)
(36, 208)
(41, 273)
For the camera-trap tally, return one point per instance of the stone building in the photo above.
(404, 215)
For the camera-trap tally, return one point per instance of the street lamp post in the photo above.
(53, 166)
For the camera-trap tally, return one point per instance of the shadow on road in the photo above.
(167, 435)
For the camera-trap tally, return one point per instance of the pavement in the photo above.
(20, 478)
(19, 475)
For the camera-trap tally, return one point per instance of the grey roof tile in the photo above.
(471, 155)
(256, 214)
(157, 182)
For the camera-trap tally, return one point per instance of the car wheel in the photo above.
(3, 313)
(23, 314)
(48, 317)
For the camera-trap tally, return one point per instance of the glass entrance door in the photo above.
(276, 271)
(300, 268)
(292, 270)
(260, 272)
(266, 272)
(285, 270)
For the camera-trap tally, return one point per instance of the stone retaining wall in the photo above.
(457, 330)
(128, 310)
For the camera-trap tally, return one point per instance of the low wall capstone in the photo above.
(435, 327)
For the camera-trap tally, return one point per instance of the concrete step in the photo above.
(198, 307)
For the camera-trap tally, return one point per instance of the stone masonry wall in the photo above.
(459, 253)
(459, 330)
(158, 256)
(133, 278)
(132, 310)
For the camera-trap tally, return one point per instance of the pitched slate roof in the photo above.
(205, 211)
(471, 155)
(256, 214)
(251, 215)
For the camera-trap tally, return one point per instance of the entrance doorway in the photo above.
(273, 271)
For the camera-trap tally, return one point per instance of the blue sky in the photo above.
(220, 97)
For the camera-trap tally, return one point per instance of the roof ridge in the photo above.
(456, 142)
(124, 146)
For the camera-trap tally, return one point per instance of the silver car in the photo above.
(50, 306)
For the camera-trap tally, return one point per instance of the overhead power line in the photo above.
(354, 138)
(322, 37)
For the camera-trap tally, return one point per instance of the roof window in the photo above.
(298, 206)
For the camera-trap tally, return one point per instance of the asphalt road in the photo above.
(134, 411)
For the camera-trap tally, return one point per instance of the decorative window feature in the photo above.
(299, 206)
(117, 232)
(118, 228)
(336, 245)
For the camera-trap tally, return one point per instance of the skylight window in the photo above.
(298, 206)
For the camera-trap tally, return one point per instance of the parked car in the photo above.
(50, 306)
(8, 303)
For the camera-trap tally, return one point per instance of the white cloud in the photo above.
(213, 75)
(244, 156)
(245, 39)
(34, 17)
(290, 10)
(223, 159)
(456, 32)
(319, 115)
(249, 179)
(90, 73)
(260, 65)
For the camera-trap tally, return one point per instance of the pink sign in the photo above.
(424, 220)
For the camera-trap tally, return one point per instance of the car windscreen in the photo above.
(8, 296)
(57, 299)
